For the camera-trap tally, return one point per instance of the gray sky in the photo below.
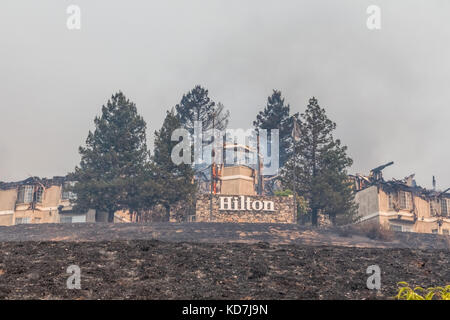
(387, 89)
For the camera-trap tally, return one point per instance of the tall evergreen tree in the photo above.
(197, 106)
(276, 116)
(113, 160)
(320, 163)
(175, 181)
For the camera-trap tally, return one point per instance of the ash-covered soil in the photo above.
(212, 261)
(150, 269)
(217, 233)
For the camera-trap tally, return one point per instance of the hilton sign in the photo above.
(243, 203)
(244, 209)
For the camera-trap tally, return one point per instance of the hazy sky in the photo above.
(387, 90)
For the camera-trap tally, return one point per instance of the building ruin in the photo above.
(37, 200)
(401, 205)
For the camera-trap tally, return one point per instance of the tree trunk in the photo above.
(111, 216)
(333, 218)
(167, 213)
(314, 217)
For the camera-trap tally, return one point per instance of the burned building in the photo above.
(401, 205)
(37, 200)
(237, 194)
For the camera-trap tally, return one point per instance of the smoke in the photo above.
(385, 89)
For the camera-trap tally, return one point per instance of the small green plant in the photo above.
(303, 210)
(419, 293)
(283, 193)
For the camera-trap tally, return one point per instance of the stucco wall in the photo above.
(368, 201)
(238, 180)
(6, 220)
(8, 199)
(44, 212)
(423, 207)
(52, 196)
(37, 216)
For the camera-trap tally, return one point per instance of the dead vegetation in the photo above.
(215, 261)
(372, 231)
(149, 269)
(349, 236)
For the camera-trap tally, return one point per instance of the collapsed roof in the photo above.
(45, 182)
(375, 178)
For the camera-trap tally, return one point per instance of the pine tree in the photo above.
(321, 166)
(276, 116)
(197, 106)
(175, 182)
(114, 160)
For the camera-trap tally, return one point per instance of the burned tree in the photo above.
(197, 106)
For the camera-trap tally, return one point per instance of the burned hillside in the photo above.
(149, 269)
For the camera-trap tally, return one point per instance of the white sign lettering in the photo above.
(243, 203)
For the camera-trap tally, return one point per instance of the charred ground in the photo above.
(233, 262)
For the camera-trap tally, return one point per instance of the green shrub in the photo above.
(419, 293)
(303, 211)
